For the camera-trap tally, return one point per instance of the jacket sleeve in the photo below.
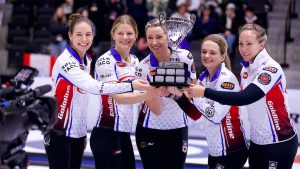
(188, 107)
(105, 69)
(250, 94)
(71, 71)
(212, 110)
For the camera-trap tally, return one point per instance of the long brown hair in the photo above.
(77, 18)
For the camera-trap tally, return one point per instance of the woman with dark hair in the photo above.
(71, 80)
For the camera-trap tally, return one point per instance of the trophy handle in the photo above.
(193, 18)
(161, 18)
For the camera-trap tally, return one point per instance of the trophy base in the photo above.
(179, 85)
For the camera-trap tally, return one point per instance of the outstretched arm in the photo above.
(250, 94)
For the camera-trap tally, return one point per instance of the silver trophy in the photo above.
(176, 30)
(173, 73)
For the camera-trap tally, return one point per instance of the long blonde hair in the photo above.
(124, 19)
(259, 31)
(223, 46)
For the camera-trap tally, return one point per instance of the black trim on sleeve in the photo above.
(131, 86)
(250, 94)
(129, 81)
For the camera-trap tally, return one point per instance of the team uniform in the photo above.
(71, 81)
(162, 140)
(110, 139)
(273, 137)
(224, 128)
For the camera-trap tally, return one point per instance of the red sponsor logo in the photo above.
(64, 103)
(153, 72)
(245, 75)
(264, 78)
(80, 91)
(81, 67)
(121, 64)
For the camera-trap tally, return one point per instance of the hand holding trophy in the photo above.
(174, 72)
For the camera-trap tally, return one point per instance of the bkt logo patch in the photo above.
(271, 69)
(227, 85)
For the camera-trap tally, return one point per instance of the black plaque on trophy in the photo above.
(171, 74)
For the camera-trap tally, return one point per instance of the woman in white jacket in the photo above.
(223, 125)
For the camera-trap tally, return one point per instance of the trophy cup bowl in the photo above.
(173, 73)
(176, 28)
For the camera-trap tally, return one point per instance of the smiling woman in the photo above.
(162, 140)
(227, 148)
(81, 34)
(273, 138)
(71, 80)
(110, 138)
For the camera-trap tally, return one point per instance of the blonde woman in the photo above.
(273, 137)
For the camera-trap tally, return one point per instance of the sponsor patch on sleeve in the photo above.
(227, 85)
(270, 69)
(209, 112)
(245, 75)
(103, 61)
(264, 78)
(121, 64)
(68, 66)
(190, 56)
(138, 71)
(102, 76)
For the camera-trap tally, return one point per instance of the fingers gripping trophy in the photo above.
(173, 73)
